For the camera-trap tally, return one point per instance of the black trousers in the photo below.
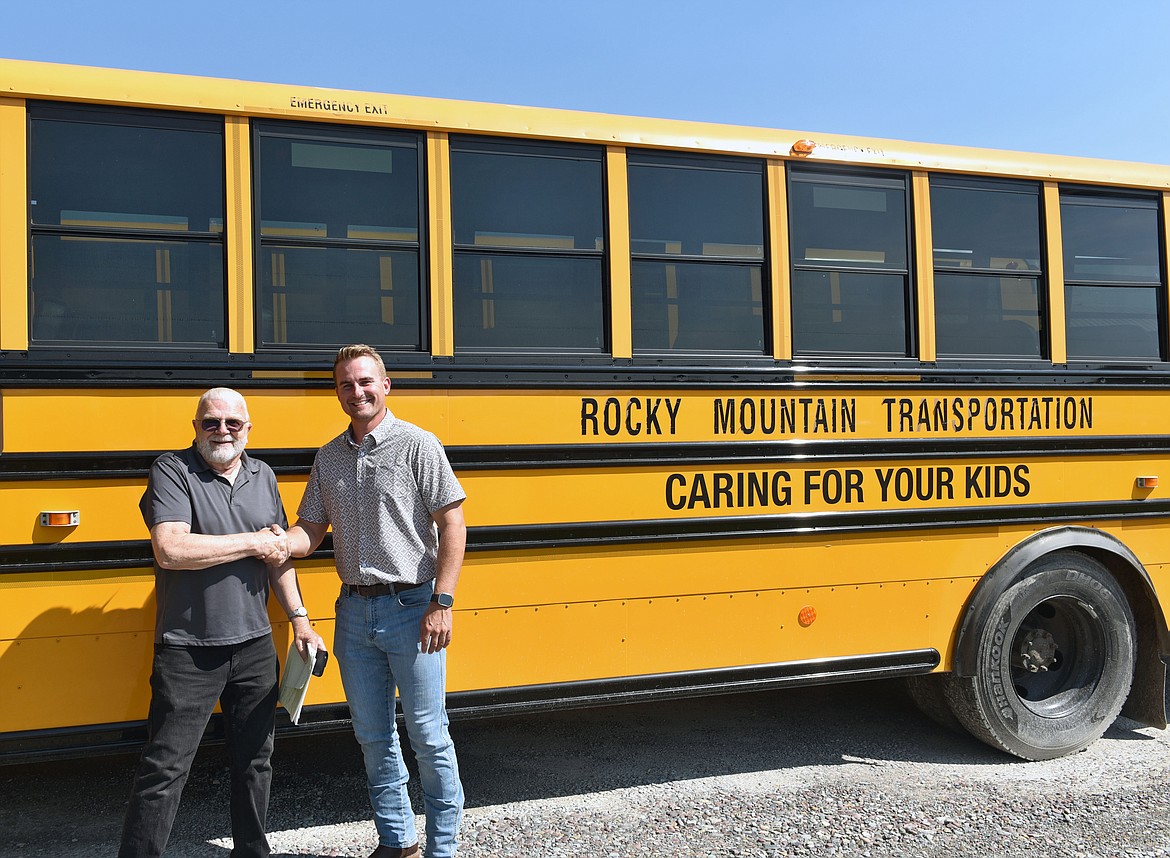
(185, 683)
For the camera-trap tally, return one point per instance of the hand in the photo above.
(434, 631)
(304, 635)
(272, 545)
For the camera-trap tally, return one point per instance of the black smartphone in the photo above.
(320, 661)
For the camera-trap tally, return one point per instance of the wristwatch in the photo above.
(302, 611)
(443, 600)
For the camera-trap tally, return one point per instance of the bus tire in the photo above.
(1054, 662)
(929, 693)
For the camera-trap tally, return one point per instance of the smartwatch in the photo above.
(302, 611)
(443, 600)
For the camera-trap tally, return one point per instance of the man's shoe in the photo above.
(395, 851)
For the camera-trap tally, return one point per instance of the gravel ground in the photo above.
(848, 770)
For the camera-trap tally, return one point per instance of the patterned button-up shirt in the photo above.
(379, 497)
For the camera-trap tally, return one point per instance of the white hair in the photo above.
(221, 394)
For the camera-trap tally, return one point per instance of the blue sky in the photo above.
(1063, 76)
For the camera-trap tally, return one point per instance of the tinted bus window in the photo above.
(850, 272)
(529, 247)
(987, 272)
(697, 246)
(1112, 274)
(339, 214)
(127, 213)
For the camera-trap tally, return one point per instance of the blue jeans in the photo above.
(377, 649)
(186, 682)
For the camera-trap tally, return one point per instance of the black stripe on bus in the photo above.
(755, 677)
(127, 465)
(37, 745)
(732, 451)
(551, 536)
(137, 553)
(85, 366)
(121, 554)
(293, 461)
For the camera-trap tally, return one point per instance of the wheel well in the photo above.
(1146, 702)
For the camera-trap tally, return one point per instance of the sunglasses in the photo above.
(210, 424)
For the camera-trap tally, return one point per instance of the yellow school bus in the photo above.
(735, 408)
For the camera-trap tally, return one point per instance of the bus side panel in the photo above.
(76, 647)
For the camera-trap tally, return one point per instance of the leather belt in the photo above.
(371, 590)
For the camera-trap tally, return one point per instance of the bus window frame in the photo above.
(312, 132)
(1118, 197)
(756, 167)
(1040, 274)
(515, 146)
(128, 117)
(849, 176)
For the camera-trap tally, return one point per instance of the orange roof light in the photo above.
(803, 147)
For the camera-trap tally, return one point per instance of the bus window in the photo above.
(986, 268)
(1112, 275)
(127, 214)
(697, 254)
(529, 249)
(339, 243)
(850, 269)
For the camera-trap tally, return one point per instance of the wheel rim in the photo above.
(1057, 656)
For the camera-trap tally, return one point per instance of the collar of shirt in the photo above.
(379, 433)
(199, 464)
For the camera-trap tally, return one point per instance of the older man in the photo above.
(216, 526)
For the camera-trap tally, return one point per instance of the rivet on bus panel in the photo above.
(61, 518)
(807, 616)
(1147, 482)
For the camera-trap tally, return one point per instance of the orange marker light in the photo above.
(1147, 482)
(807, 616)
(61, 518)
(803, 147)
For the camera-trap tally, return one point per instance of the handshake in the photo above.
(272, 545)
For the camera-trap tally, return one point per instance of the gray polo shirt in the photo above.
(224, 604)
(379, 496)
